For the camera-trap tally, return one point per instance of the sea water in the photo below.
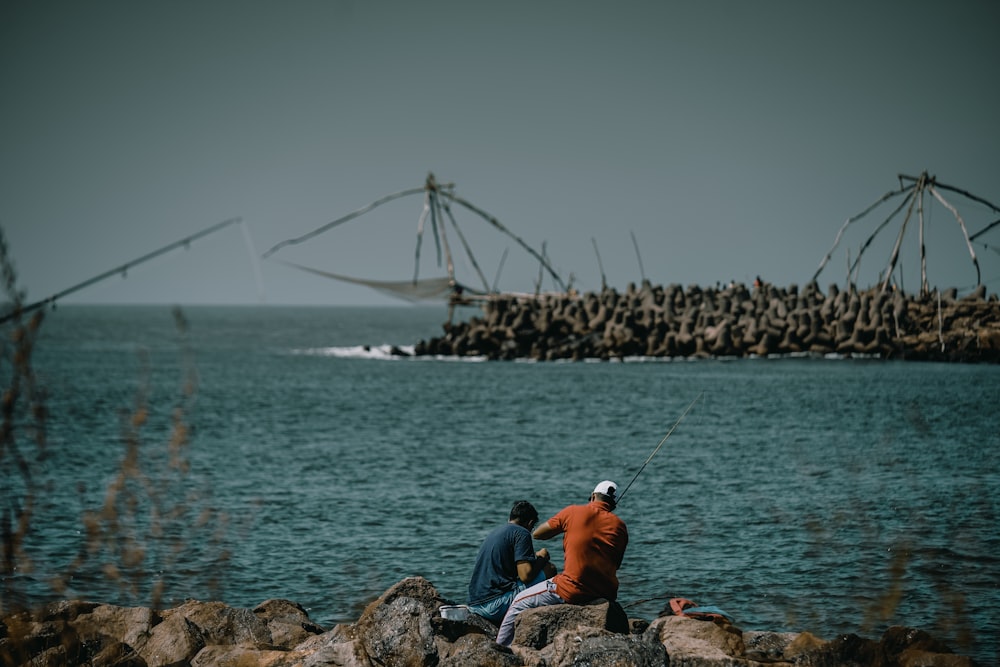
(829, 495)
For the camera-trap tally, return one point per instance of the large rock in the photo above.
(172, 643)
(218, 623)
(287, 622)
(536, 628)
(769, 646)
(909, 647)
(396, 628)
(76, 632)
(595, 648)
(236, 656)
(128, 625)
(477, 649)
(696, 643)
(335, 648)
(116, 654)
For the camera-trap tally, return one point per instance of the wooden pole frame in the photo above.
(465, 244)
(894, 257)
(914, 188)
(600, 266)
(426, 211)
(923, 249)
(864, 246)
(635, 244)
(437, 197)
(965, 232)
(849, 221)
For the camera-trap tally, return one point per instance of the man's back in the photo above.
(594, 542)
(495, 570)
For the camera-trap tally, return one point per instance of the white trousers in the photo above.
(539, 595)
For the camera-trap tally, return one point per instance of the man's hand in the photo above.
(545, 563)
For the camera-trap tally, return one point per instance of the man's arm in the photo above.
(545, 531)
(527, 570)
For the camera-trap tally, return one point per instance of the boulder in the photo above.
(909, 647)
(336, 647)
(116, 654)
(615, 650)
(216, 656)
(175, 641)
(287, 622)
(768, 646)
(535, 628)
(475, 649)
(396, 628)
(25, 636)
(687, 639)
(218, 623)
(128, 625)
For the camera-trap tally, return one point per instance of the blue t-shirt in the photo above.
(495, 571)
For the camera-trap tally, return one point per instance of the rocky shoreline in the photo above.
(404, 627)
(734, 321)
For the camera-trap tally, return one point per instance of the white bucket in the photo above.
(455, 612)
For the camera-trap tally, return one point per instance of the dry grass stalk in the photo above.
(22, 435)
(151, 519)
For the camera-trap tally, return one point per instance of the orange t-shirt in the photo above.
(594, 542)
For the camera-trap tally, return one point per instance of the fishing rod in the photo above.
(679, 420)
(123, 269)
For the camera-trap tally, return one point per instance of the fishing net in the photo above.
(425, 289)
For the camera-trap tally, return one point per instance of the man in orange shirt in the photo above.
(594, 542)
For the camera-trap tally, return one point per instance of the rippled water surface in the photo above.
(828, 495)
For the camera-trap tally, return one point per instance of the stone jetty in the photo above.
(733, 321)
(404, 627)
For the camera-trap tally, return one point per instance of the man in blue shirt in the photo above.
(507, 564)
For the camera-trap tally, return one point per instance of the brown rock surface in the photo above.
(404, 627)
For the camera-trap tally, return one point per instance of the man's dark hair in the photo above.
(523, 511)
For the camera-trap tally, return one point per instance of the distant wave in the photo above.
(378, 352)
(403, 352)
(358, 351)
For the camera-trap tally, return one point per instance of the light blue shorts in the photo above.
(494, 609)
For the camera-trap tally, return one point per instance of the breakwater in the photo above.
(404, 626)
(732, 321)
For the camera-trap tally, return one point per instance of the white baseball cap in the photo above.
(606, 488)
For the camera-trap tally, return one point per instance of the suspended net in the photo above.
(425, 289)
(436, 209)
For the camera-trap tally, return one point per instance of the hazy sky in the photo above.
(731, 138)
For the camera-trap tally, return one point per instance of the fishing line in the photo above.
(254, 262)
(679, 420)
